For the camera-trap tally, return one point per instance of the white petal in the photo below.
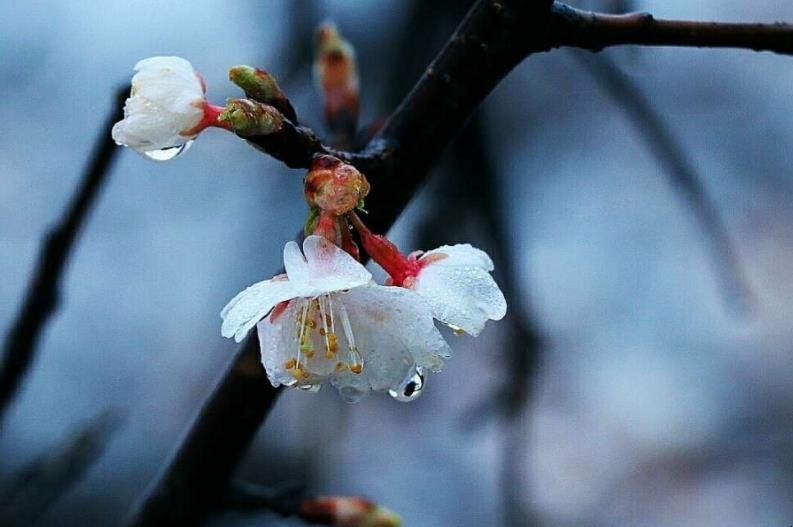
(166, 100)
(253, 304)
(393, 330)
(465, 296)
(176, 66)
(279, 342)
(462, 254)
(325, 268)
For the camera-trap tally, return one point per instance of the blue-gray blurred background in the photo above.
(655, 403)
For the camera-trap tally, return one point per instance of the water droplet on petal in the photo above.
(410, 389)
(166, 154)
(313, 388)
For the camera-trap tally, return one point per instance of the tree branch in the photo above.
(44, 288)
(596, 31)
(493, 38)
(198, 474)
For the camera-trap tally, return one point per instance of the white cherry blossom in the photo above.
(325, 321)
(165, 107)
(456, 282)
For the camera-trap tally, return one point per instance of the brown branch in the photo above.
(492, 39)
(477, 57)
(198, 474)
(495, 37)
(595, 31)
(44, 289)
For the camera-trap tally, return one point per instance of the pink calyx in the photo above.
(210, 119)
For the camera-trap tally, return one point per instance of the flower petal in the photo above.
(325, 268)
(464, 296)
(279, 342)
(253, 304)
(167, 99)
(394, 331)
(461, 254)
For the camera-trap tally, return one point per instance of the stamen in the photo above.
(301, 341)
(356, 359)
(323, 316)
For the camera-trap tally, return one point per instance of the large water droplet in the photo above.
(166, 154)
(313, 388)
(411, 387)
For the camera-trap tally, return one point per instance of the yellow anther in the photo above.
(333, 343)
(311, 323)
(297, 373)
(290, 364)
(329, 354)
(356, 368)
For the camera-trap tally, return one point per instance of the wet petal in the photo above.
(394, 331)
(167, 98)
(464, 296)
(253, 304)
(324, 269)
(279, 343)
(461, 254)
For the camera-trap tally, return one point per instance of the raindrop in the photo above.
(313, 388)
(411, 387)
(166, 154)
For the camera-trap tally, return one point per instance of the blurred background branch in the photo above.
(43, 292)
(673, 157)
(40, 483)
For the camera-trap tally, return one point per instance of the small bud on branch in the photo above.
(336, 73)
(334, 186)
(262, 87)
(248, 118)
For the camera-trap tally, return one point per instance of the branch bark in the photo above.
(493, 38)
(596, 31)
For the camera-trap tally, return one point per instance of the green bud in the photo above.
(257, 84)
(248, 118)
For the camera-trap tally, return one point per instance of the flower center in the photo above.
(323, 329)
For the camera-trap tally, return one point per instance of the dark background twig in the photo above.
(673, 156)
(42, 482)
(43, 292)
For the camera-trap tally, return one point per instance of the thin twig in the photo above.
(493, 38)
(596, 31)
(673, 156)
(44, 289)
